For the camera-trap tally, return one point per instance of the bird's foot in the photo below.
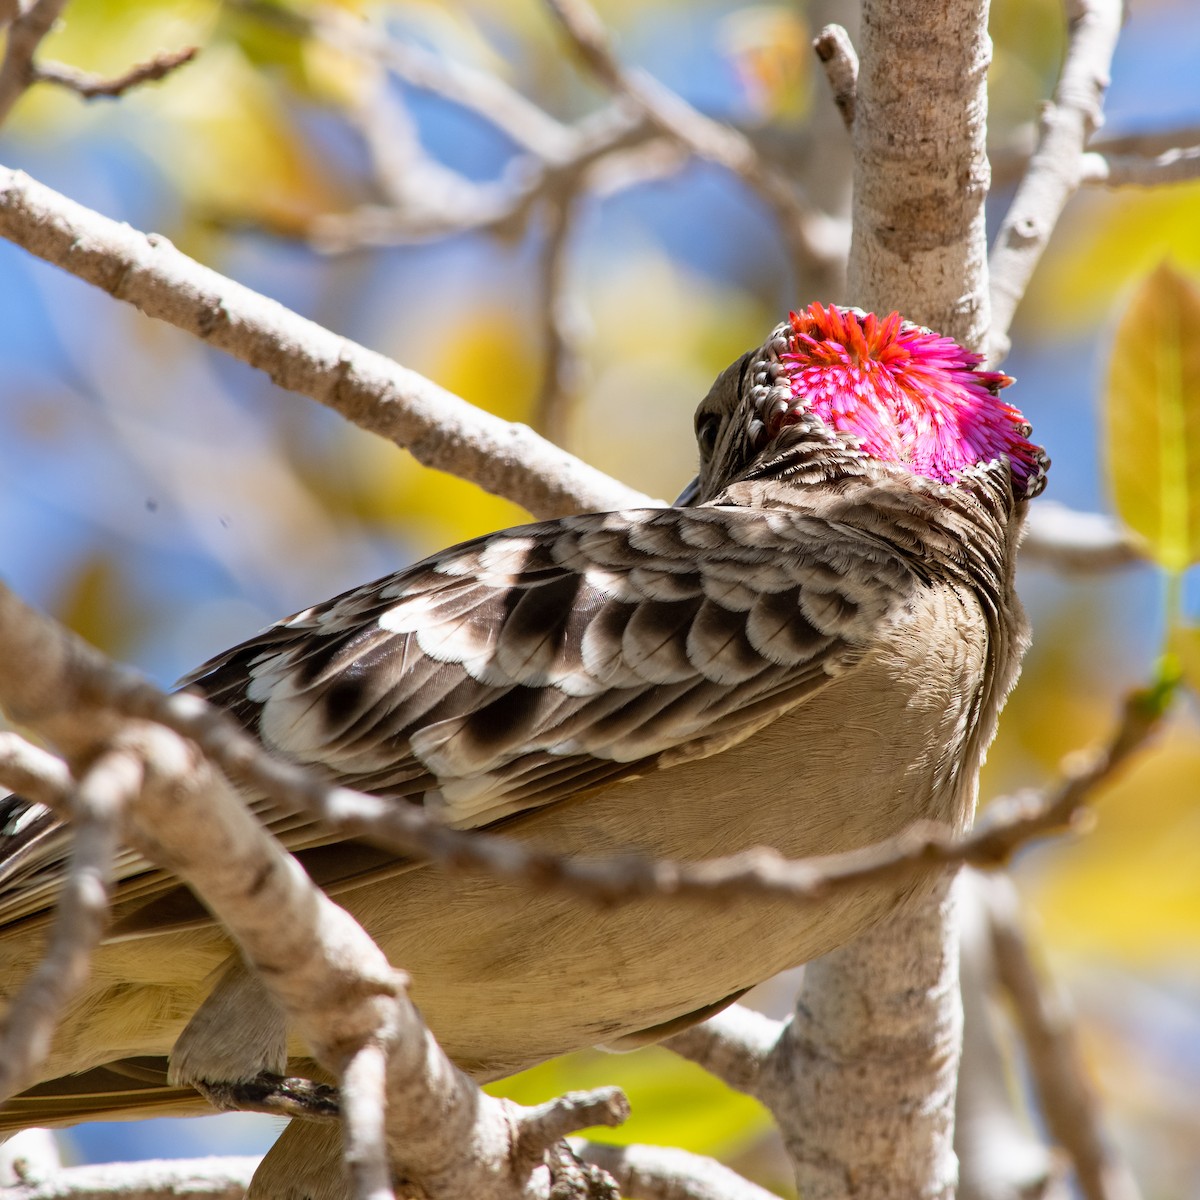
(278, 1095)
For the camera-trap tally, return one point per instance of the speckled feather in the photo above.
(483, 680)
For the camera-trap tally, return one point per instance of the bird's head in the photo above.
(833, 389)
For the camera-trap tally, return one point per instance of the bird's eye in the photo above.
(706, 434)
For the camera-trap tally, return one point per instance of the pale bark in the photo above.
(878, 1023)
(870, 1062)
(920, 165)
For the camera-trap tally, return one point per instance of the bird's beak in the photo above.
(687, 497)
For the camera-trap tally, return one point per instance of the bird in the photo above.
(809, 651)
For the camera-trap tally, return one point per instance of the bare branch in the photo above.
(1147, 143)
(837, 54)
(545, 1124)
(437, 427)
(815, 241)
(95, 808)
(734, 1046)
(364, 1095)
(1068, 1100)
(445, 204)
(562, 323)
(410, 830)
(1060, 537)
(338, 990)
(920, 166)
(1056, 168)
(35, 773)
(1010, 159)
(1000, 1155)
(663, 1173)
(167, 1179)
(25, 35)
(862, 1082)
(480, 92)
(1111, 170)
(91, 86)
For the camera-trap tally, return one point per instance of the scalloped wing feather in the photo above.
(502, 674)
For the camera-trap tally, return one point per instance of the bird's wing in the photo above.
(510, 671)
(528, 665)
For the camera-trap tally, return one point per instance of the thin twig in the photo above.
(1056, 168)
(1111, 170)
(1068, 1100)
(435, 426)
(815, 241)
(91, 86)
(445, 204)
(562, 325)
(837, 54)
(480, 92)
(364, 1107)
(409, 830)
(33, 772)
(79, 923)
(24, 37)
(544, 1124)
(664, 1173)
(1061, 537)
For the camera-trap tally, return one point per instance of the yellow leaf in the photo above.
(1152, 418)
(1185, 645)
(1109, 240)
(95, 603)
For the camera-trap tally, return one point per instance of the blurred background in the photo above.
(166, 502)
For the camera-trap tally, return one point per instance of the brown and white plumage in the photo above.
(811, 657)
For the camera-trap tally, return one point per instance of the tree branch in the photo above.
(438, 428)
(166, 1179)
(480, 92)
(663, 1173)
(1056, 168)
(836, 52)
(811, 236)
(91, 86)
(1057, 536)
(1067, 1098)
(338, 990)
(734, 1046)
(25, 35)
(32, 1015)
(1179, 165)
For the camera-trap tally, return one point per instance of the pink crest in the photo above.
(908, 395)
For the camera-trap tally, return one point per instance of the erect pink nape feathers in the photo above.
(907, 394)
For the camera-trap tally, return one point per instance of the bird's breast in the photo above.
(507, 975)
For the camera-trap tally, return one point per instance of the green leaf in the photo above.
(1185, 650)
(1152, 418)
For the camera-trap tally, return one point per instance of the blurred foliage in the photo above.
(1116, 238)
(1028, 40)
(769, 47)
